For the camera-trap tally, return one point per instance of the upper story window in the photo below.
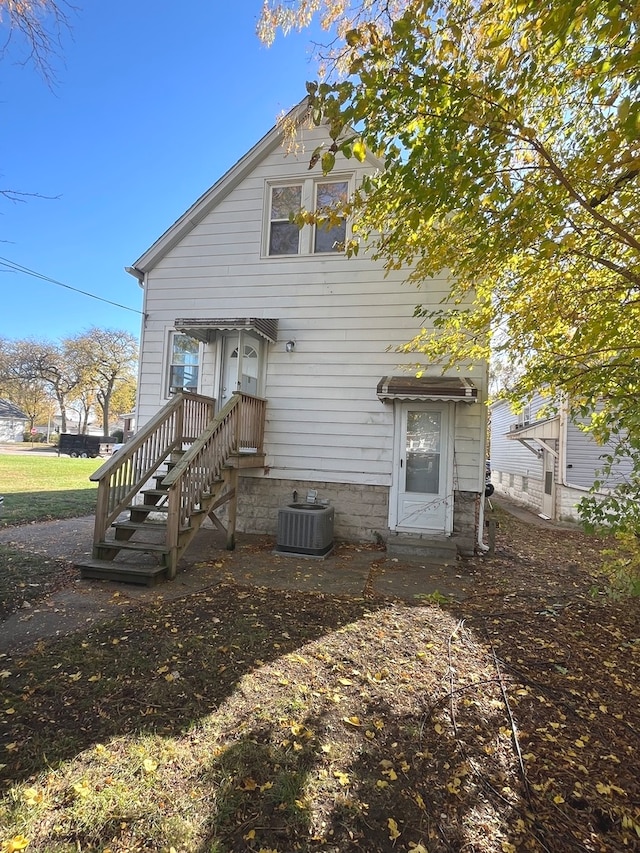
(285, 237)
(331, 238)
(184, 363)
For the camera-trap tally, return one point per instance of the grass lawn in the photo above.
(38, 487)
(251, 719)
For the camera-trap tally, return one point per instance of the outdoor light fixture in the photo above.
(290, 346)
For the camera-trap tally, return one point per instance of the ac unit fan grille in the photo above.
(305, 531)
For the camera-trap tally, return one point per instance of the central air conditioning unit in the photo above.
(305, 528)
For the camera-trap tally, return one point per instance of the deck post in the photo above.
(231, 479)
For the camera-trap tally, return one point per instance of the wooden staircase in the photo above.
(155, 493)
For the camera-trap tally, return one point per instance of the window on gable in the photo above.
(331, 238)
(184, 363)
(284, 236)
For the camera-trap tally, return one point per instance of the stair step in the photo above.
(154, 493)
(155, 526)
(146, 508)
(121, 572)
(436, 548)
(132, 545)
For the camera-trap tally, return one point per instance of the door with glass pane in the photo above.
(424, 483)
(240, 366)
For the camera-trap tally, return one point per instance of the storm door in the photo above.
(423, 475)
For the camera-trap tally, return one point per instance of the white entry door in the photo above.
(240, 366)
(423, 472)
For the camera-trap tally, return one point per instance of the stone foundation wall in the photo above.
(361, 512)
(466, 513)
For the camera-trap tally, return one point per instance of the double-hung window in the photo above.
(330, 236)
(325, 197)
(184, 363)
(284, 235)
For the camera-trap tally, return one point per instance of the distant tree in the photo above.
(20, 381)
(57, 365)
(123, 399)
(83, 402)
(109, 357)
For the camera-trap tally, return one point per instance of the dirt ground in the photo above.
(490, 706)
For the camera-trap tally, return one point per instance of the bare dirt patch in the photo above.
(244, 718)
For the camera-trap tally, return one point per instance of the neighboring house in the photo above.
(240, 302)
(13, 422)
(542, 459)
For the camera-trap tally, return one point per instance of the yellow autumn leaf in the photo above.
(382, 783)
(149, 765)
(345, 681)
(18, 842)
(33, 796)
(82, 789)
(420, 802)
(394, 832)
(75, 677)
(438, 728)
(266, 786)
(248, 784)
(359, 150)
(94, 677)
(558, 799)
(352, 721)
(250, 835)
(343, 778)
(417, 848)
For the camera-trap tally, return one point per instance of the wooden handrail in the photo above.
(240, 424)
(187, 419)
(121, 477)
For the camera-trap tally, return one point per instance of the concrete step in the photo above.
(432, 548)
(121, 572)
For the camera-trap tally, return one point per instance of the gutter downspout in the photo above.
(563, 419)
(140, 276)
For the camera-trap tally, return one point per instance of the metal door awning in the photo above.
(427, 388)
(539, 433)
(205, 329)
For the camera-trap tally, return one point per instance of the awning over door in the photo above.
(427, 388)
(205, 329)
(546, 430)
(536, 436)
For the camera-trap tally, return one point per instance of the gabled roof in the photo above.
(8, 410)
(213, 196)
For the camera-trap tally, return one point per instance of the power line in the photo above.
(11, 265)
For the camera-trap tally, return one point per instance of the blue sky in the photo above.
(152, 103)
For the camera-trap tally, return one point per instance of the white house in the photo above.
(13, 422)
(238, 299)
(541, 458)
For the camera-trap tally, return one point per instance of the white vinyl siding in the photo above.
(324, 420)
